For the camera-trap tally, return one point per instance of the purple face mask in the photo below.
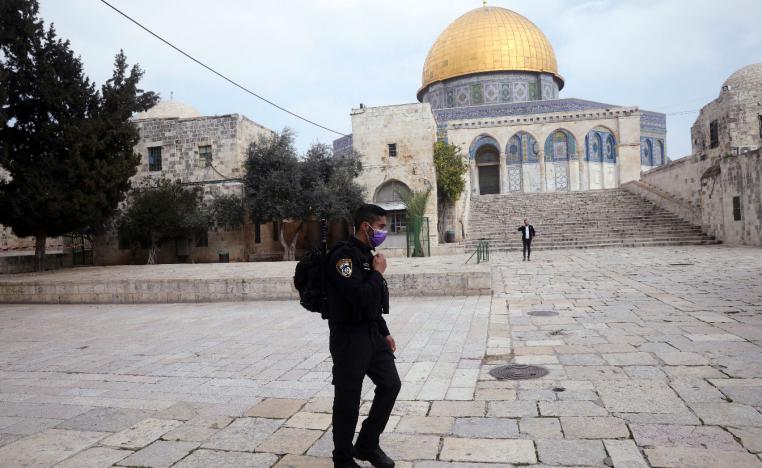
(377, 238)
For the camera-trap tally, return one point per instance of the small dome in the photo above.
(489, 39)
(168, 110)
(747, 78)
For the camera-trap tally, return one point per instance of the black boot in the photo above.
(376, 457)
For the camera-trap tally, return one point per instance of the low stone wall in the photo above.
(272, 281)
(23, 262)
(704, 191)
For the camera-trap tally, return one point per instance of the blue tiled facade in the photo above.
(560, 146)
(491, 88)
(652, 152)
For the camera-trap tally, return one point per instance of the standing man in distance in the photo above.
(527, 234)
(360, 342)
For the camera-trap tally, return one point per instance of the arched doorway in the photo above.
(485, 153)
(389, 197)
(488, 165)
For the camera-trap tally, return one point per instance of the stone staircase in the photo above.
(578, 220)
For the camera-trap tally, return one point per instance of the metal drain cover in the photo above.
(518, 372)
(542, 313)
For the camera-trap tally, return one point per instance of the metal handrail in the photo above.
(481, 252)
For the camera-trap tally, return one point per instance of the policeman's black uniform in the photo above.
(357, 296)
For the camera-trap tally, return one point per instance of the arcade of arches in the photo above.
(560, 164)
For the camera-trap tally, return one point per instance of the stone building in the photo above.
(177, 142)
(719, 186)
(490, 85)
(732, 123)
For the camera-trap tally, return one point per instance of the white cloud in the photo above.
(323, 57)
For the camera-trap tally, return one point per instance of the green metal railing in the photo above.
(481, 252)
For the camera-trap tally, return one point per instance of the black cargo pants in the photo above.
(358, 350)
(527, 247)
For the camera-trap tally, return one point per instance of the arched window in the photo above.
(600, 145)
(560, 146)
(646, 152)
(662, 158)
(609, 149)
(522, 148)
(390, 192)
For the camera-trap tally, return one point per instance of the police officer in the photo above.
(360, 342)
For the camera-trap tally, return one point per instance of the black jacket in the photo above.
(531, 231)
(356, 292)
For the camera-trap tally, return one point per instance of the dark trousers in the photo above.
(527, 247)
(359, 350)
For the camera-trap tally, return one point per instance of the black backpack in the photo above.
(309, 280)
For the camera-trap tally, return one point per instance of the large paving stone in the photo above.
(276, 408)
(160, 454)
(751, 437)
(304, 420)
(105, 420)
(289, 440)
(571, 452)
(243, 434)
(410, 446)
(488, 450)
(457, 408)
(95, 457)
(47, 447)
(624, 454)
(511, 409)
(727, 414)
(141, 434)
(220, 459)
(300, 461)
(639, 396)
(486, 428)
(693, 457)
(571, 408)
(425, 424)
(594, 428)
(669, 435)
(541, 428)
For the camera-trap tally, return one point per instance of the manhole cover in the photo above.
(542, 313)
(518, 372)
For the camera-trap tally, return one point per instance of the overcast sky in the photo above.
(320, 58)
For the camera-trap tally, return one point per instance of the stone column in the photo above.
(503, 172)
(541, 162)
(628, 148)
(474, 178)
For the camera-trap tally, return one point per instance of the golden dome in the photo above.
(489, 39)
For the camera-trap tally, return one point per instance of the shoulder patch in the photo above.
(344, 267)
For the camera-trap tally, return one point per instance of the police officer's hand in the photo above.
(392, 343)
(379, 263)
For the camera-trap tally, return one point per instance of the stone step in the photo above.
(602, 218)
(574, 242)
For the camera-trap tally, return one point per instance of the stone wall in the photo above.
(704, 189)
(737, 112)
(411, 127)
(181, 141)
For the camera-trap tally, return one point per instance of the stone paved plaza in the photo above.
(653, 354)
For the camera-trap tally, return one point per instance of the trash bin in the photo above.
(449, 236)
(224, 257)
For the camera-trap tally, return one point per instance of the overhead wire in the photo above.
(229, 80)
